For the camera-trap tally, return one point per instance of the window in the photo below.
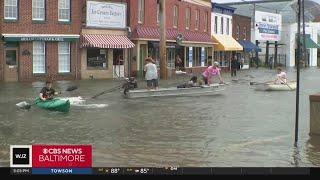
(97, 58)
(39, 57)
(140, 11)
(228, 26)
(64, 57)
(245, 33)
(188, 18)
(64, 10)
(175, 16)
(205, 21)
(197, 19)
(11, 57)
(11, 9)
(222, 29)
(158, 13)
(216, 24)
(38, 10)
(238, 32)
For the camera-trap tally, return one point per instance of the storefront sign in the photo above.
(106, 15)
(267, 26)
(190, 56)
(17, 38)
(203, 54)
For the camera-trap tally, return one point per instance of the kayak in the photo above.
(290, 86)
(53, 105)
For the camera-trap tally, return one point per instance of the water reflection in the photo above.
(313, 150)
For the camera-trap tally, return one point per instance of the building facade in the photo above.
(221, 31)
(40, 40)
(241, 31)
(187, 20)
(104, 39)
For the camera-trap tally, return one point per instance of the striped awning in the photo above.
(106, 41)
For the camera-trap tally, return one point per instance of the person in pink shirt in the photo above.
(211, 72)
(281, 77)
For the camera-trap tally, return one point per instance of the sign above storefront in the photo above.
(106, 15)
(42, 37)
(268, 26)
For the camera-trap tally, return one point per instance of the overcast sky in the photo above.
(226, 1)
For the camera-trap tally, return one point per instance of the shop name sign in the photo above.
(106, 15)
(41, 39)
(267, 26)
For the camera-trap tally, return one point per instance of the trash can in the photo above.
(314, 114)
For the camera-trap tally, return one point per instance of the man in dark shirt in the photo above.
(47, 92)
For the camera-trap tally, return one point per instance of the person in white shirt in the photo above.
(151, 74)
(281, 77)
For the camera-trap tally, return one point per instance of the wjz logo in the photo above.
(20, 156)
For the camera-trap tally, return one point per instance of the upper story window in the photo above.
(205, 21)
(175, 16)
(222, 28)
(158, 13)
(228, 26)
(238, 32)
(188, 18)
(197, 19)
(245, 33)
(64, 10)
(11, 9)
(216, 24)
(38, 10)
(140, 11)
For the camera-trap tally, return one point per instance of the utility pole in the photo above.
(163, 39)
(298, 59)
(305, 53)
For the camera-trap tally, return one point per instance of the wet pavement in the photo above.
(239, 127)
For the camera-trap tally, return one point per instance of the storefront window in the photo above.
(39, 57)
(118, 57)
(64, 57)
(97, 58)
(171, 58)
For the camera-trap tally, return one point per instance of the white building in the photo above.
(288, 38)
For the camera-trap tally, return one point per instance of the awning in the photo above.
(226, 43)
(248, 46)
(106, 41)
(309, 42)
(40, 37)
(188, 37)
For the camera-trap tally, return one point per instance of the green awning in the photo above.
(309, 42)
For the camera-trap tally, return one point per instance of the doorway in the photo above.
(11, 65)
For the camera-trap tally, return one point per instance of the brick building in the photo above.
(185, 18)
(242, 33)
(39, 39)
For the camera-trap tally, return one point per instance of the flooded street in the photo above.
(240, 127)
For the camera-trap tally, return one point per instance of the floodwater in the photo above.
(240, 127)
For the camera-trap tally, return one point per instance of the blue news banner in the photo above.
(164, 171)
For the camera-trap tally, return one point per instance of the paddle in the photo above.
(27, 106)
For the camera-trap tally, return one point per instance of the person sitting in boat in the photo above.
(210, 72)
(193, 82)
(281, 77)
(151, 74)
(47, 93)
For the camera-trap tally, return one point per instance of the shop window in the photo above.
(171, 58)
(64, 57)
(97, 58)
(64, 10)
(11, 9)
(39, 57)
(38, 10)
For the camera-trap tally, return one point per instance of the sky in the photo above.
(226, 1)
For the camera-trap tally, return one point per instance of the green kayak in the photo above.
(53, 105)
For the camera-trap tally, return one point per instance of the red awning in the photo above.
(106, 41)
(151, 33)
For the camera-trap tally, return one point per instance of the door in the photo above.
(143, 55)
(11, 65)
